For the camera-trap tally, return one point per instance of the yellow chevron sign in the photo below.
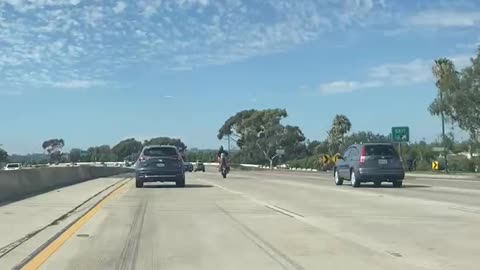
(435, 165)
(325, 159)
(335, 157)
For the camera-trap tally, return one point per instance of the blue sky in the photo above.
(97, 71)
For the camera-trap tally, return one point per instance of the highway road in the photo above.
(251, 220)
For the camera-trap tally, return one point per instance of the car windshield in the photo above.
(13, 165)
(160, 152)
(380, 150)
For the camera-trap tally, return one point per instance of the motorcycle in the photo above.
(224, 168)
(224, 171)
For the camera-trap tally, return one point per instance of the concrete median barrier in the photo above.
(19, 184)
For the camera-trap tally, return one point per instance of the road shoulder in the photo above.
(33, 221)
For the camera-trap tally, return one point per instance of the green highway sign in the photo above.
(400, 134)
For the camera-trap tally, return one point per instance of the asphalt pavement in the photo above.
(259, 220)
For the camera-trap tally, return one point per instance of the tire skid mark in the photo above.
(283, 260)
(129, 253)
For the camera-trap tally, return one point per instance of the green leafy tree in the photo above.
(91, 155)
(181, 146)
(316, 147)
(231, 126)
(166, 141)
(3, 155)
(102, 153)
(125, 149)
(342, 124)
(259, 133)
(75, 155)
(459, 95)
(336, 135)
(54, 149)
(364, 137)
(202, 155)
(105, 153)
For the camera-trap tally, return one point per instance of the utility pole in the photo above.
(228, 143)
(400, 151)
(444, 141)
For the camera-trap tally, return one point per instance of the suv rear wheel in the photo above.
(397, 184)
(180, 181)
(353, 179)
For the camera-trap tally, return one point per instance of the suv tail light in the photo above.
(143, 158)
(363, 155)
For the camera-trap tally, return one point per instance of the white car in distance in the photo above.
(12, 166)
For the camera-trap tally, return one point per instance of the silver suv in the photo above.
(370, 162)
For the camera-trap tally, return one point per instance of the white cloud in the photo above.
(25, 5)
(149, 7)
(413, 72)
(417, 70)
(445, 18)
(119, 7)
(77, 84)
(193, 2)
(339, 87)
(93, 16)
(461, 60)
(48, 41)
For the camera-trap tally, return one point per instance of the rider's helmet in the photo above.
(221, 148)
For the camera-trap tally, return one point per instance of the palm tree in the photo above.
(446, 80)
(341, 125)
(336, 135)
(444, 72)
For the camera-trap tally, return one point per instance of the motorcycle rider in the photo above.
(222, 155)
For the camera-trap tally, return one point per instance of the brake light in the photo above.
(363, 155)
(143, 158)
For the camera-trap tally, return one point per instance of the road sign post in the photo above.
(400, 135)
(279, 153)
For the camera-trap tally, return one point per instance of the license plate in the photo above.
(382, 161)
(161, 165)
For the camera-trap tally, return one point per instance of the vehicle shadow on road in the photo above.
(391, 186)
(173, 186)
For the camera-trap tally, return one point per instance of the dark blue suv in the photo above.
(160, 163)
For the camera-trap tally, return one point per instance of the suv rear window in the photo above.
(380, 150)
(160, 152)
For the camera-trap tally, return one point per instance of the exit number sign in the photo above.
(400, 134)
